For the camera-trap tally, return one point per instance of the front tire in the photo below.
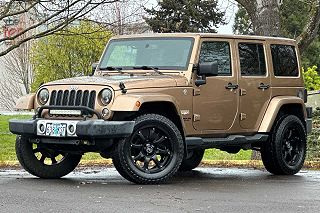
(284, 153)
(43, 162)
(153, 153)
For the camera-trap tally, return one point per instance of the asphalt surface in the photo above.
(202, 190)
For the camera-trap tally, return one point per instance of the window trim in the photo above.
(230, 43)
(298, 62)
(266, 75)
(181, 69)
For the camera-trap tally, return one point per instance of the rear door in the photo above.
(254, 83)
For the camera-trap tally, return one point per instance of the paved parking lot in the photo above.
(203, 190)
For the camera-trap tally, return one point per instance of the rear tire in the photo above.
(43, 162)
(153, 153)
(284, 153)
(195, 157)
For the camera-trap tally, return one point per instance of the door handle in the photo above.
(232, 86)
(263, 86)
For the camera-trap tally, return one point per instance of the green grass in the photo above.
(215, 154)
(7, 140)
(7, 143)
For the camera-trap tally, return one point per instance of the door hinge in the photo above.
(243, 92)
(196, 117)
(243, 116)
(196, 92)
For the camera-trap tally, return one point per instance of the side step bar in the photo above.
(232, 140)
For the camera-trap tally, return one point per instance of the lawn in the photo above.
(7, 142)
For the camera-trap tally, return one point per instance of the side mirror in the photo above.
(94, 67)
(208, 69)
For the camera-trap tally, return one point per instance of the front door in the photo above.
(254, 83)
(215, 103)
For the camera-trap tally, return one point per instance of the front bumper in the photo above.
(89, 129)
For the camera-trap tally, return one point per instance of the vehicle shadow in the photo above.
(200, 176)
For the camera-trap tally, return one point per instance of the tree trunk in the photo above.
(265, 16)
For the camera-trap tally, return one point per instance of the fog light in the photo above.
(105, 112)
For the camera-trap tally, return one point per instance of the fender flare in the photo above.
(26, 102)
(273, 109)
(133, 102)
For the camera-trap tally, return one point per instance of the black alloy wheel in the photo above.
(44, 162)
(285, 151)
(153, 153)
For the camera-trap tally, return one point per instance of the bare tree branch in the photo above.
(51, 16)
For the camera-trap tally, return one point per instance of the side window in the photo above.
(218, 51)
(252, 60)
(284, 60)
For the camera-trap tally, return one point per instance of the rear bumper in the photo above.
(309, 125)
(309, 120)
(89, 129)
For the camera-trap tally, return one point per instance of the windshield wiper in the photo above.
(119, 69)
(156, 69)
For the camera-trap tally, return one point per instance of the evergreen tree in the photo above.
(185, 16)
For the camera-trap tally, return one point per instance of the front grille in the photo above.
(73, 98)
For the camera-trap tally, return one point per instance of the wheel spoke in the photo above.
(141, 136)
(152, 134)
(36, 150)
(161, 139)
(156, 161)
(163, 151)
(136, 146)
(146, 163)
(289, 134)
(53, 160)
(42, 158)
(138, 157)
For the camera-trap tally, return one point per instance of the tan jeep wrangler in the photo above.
(155, 102)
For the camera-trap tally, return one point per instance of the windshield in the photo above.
(159, 53)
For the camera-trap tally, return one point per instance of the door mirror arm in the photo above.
(201, 81)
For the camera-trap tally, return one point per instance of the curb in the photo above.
(255, 164)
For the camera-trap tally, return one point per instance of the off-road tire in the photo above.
(192, 161)
(273, 151)
(26, 156)
(171, 145)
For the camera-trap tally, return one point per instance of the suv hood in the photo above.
(131, 82)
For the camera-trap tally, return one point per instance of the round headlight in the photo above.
(106, 96)
(43, 96)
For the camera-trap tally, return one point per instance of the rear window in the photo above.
(284, 60)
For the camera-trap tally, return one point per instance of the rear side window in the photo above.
(284, 60)
(252, 60)
(218, 51)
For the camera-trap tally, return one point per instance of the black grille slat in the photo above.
(73, 98)
(92, 98)
(78, 98)
(59, 98)
(65, 98)
(85, 97)
(53, 97)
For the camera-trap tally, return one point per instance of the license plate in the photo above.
(56, 129)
